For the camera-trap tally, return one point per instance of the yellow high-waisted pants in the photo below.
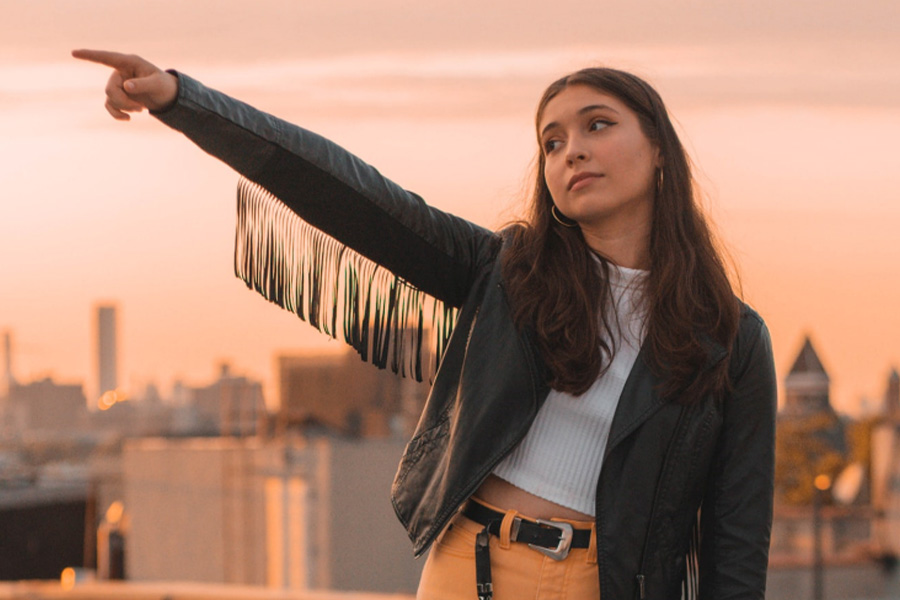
(517, 571)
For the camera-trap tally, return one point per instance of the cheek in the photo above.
(639, 166)
(552, 179)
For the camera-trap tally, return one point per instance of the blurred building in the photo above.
(46, 405)
(813, 440)
(892, 396)
(107, 350)
(807, 385)
(6, 382)
(344, 394)
(7, 379)
(122, 416)
(886, 468)
(231, 405)
(43, 529)
(195, 509)
(306, 513)
(77, 586)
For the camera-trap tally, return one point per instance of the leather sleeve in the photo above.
(336, 192)
(736, 517)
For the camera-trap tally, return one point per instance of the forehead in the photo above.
(567, 104)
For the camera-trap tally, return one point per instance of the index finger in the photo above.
(116, 60)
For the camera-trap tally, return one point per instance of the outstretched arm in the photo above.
(326, 186)
(135, 84)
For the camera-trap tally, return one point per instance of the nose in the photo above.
(576, 152)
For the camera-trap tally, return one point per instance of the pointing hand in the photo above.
(135, 83)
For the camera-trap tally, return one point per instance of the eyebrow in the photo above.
(581, 111)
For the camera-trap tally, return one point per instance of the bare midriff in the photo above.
(505, 495)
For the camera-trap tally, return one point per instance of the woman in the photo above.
(603, 415)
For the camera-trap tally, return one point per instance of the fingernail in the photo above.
(129, 86)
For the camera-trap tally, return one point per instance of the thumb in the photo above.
(139, 85)
(155, 91)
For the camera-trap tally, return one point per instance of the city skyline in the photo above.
(789, 116)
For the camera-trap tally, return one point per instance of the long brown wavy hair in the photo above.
(556, 289)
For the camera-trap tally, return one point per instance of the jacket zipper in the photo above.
(656, 498)
(471, 329)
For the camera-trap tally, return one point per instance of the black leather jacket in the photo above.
(663, 460)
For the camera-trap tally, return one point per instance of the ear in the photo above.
(659, 162)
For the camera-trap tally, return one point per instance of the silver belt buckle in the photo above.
(566, 533)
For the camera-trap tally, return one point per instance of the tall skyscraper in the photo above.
(107, 351)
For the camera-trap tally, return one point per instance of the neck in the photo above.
(628, 248)
(622, 236)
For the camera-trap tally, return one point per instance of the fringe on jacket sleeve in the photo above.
(389, 322)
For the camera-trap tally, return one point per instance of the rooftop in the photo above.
(127, 590)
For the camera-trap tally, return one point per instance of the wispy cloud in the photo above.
(465, 56)
(485, 82)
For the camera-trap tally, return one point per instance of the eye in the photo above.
(598, 124)
(551, 145)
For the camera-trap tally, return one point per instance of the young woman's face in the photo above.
(599, 166)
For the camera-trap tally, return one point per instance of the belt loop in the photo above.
(592, 546)
(506, 528)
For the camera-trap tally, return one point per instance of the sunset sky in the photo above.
(789, 108)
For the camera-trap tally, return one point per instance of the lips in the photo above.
(582, 179)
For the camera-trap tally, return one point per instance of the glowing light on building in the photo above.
(110, 399)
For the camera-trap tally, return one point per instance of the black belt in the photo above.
(552, 538)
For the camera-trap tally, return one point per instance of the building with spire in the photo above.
(821, 459)
(811, 438)
(807, 385)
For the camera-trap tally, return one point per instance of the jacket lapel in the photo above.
(640, 399)
(637, 403)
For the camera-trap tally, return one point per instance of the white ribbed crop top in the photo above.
(561, 455)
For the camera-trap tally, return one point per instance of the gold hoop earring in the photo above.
(561, 218)
(660, 179)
